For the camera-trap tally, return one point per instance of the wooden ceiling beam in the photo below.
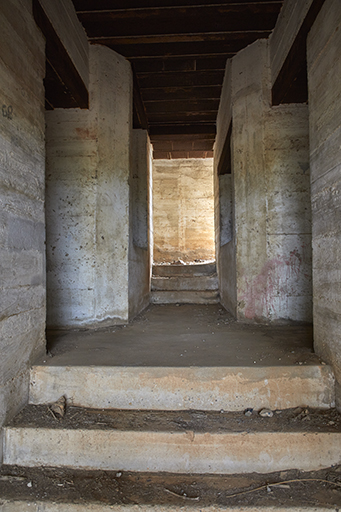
(178, 79)
(116, 5)
(217, 47)
(181, 117)
(182, 137)
(181, 93)
(195, 105)
(182, 129)
(186, 20)
(197, 37)
(168, 65)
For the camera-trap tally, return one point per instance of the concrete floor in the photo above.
(184, 336)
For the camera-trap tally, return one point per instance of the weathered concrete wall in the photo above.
(183, 210)
(324, 71)
(64, 19)
(287, 27)
(287, 273)
(22, 233)
(87, 201)
(139, 245)
(227, 251)
(265, 271)
(225, 202)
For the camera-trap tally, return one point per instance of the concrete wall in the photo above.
(288, 213)
(271, 253)
(87, 199)
(183, 210)
(22, 234)
(139, 244)
(227, 251)
(324, 71)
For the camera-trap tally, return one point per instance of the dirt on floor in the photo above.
(286, 488)
(289, 420)
(184, 335)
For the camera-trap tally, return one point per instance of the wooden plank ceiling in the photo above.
(178, 51)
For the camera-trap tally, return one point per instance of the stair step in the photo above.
(71, 490)
(203, 269)
(185, 297)
(171, 441)
(185, 283)
(173, 388)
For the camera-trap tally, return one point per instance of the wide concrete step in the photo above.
(44, 489)
(185, 283)
(185, 297)
(172, 441)
(173, 388)
(203, 269)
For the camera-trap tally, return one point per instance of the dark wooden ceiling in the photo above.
(178, 51)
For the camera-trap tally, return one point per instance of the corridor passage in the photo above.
(184, 335)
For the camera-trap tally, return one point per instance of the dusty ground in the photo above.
(184, 335)
(289, 420)
(286, 488)
(319, 488)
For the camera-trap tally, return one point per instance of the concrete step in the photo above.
(185, 283)
(177, 442)
(172, 388)
(203, 269)
(185, 297)
(47, 489)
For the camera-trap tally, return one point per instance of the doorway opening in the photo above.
(184, 269)
(183, 211)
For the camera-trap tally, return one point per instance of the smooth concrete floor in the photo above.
(182, 336)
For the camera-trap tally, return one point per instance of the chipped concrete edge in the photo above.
(26, 506)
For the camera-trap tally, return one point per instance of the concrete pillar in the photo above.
(265, 270)
(140, 223)
(87, 202)
(249, 93)
(22, 186)
(324, 71)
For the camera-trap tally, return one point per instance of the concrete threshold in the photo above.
(203, 269)
(202, 283)
(185, 297)
(208, 388)
(190, 442)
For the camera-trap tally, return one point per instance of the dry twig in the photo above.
(181, 495)
(281, 483)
